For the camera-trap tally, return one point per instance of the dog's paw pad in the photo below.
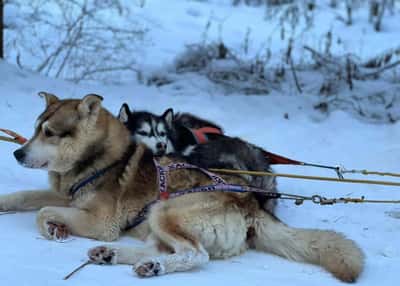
(57, 231)
(102, 255)
(149, 269)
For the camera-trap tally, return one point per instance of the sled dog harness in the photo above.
(218, 184)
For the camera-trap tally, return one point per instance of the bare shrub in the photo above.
(80, 40)
(221, 66)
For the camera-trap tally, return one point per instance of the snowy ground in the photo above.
(305, 135)
(339, 139)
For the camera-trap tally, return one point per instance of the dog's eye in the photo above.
(162, 134)
(143, 133)
(48, 133)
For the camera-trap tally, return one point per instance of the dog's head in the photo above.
(149, 129)
(64, 133)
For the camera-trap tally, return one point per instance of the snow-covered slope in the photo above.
(31, 260)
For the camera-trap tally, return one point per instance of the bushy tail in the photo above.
(331, 250)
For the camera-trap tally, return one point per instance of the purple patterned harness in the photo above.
(219, 184)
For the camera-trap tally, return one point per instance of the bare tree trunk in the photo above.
(1, 29)
(378, 23)
(349, 12)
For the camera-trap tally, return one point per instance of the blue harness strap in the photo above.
(76, 187)
(218, 185)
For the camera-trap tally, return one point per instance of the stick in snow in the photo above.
(77, 269)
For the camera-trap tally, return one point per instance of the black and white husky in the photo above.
(149, 129)
(168, 133)
(199, 142)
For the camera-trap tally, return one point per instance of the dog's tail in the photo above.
(331, 250)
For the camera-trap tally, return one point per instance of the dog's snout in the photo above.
(19, 155)
(161, 146)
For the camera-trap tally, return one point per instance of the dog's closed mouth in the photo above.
(33, 166)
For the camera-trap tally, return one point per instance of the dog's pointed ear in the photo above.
(90, 105)
(124, 113)
(168, 116)
(49, 97)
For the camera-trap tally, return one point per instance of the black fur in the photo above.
(181, 136)
(233, 153)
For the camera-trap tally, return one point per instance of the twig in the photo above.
(296, 80)
(379, 71)
(77, 269)
(382, 59)
(349, 73)
(318, 57)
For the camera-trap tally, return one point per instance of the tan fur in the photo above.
(181, 233)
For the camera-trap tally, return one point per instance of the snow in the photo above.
(305, 135)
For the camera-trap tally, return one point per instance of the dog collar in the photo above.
(76, 187)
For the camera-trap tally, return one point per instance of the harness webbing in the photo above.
(219, 184)
(76, 187)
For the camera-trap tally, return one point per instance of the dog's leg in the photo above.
(31, 200)
(185, 249)
(183, 260)
(171, 248)
(58, 222)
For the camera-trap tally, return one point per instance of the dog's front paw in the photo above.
(103, 255)
(51, 226)
(57, 231)
(149, 268)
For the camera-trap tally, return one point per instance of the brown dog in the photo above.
(78, 139)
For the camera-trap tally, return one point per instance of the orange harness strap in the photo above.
(201, 133)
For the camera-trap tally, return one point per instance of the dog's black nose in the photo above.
(161, 146)
(19, 154)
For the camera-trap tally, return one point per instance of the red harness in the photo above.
(201, 134)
